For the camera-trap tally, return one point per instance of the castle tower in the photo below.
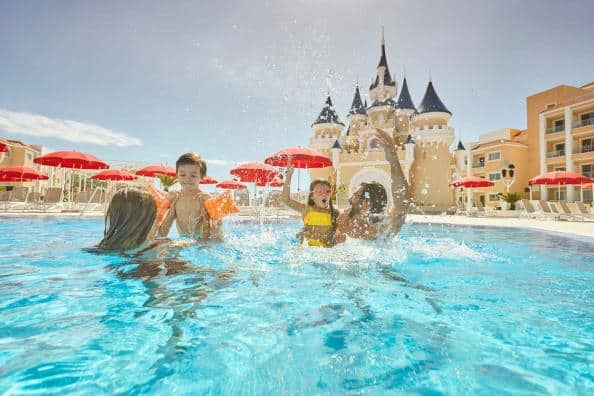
(405, 109)
(429, 183)
(327, 128)
(357, 119)
(382, 91)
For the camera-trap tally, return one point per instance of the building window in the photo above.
(587, 116)
(560, 149)
(560, 169)
(493, 197)
(29, 157)
(587, 145)
(588, 170)
(494, 156)
(494, 176)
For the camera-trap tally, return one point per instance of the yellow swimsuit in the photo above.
(315, 219)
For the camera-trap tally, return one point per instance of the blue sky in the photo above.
(239, 80)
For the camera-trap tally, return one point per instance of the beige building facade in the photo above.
(559, 136)
(422, 134)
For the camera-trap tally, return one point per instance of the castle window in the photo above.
(373, 143)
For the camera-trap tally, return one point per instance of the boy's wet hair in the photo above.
(376, 195)
(129, 219)
(191, 159)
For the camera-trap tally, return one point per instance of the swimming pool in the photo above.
(439, 310)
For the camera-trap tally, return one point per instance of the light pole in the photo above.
(508, 176)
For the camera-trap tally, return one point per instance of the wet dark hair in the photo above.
(129, 219)
(310, 201)
(376, 194)
(191, 159)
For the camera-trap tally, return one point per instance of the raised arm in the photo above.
(400, 194)
(287, 200)
(169, 217)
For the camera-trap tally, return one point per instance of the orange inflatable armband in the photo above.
(163, 203)
(220, 206)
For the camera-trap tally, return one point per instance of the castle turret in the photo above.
(327, 129)
(383, 87)
(433, 138)
(409, 156)
(357, 116)
(460, 154)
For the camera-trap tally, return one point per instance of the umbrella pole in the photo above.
(531, 192)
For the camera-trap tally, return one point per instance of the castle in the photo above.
(421, 133)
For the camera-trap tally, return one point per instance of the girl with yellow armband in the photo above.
(319, 217)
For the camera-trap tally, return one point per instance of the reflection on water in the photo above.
(439, 309)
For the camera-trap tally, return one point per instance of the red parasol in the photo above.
(72, 160)
(20, 173)
(587, 186)
(115, 175)
(471, 182)
(276, 182)
(3, 146)
(254, 172)
(156, 170)
(301, 157)
(208, 180)
(231, 185)
(560, 178)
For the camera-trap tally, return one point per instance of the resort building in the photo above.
(422, 134)
(559, 136)
(495, 151)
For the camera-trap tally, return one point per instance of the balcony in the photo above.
(478, 165)
(556, 153)
(555, 129)
(585, 122)
(584, 149)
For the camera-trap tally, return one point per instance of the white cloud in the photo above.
(218, 162)
(72, 131)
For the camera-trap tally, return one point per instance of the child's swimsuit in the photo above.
(317, 222)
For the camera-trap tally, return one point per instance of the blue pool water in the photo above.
(439, 310)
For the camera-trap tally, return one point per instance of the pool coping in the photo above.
(584, 229)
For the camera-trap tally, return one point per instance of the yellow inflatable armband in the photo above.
(220, 206)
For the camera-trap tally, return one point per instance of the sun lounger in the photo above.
(53, 199)
(546, 210)
(583, 210)
(92, 200)
(461, 209)
(531, 210)
(4, 197)
(17, 199)
(571, 214)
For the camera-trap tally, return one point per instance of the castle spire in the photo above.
(357, 105)
(328, 114)
(431, 102)
(404, 100)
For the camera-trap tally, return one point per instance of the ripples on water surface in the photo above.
(439, 310)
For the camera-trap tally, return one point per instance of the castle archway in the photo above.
(370, 174)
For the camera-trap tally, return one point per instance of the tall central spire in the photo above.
(383, 61)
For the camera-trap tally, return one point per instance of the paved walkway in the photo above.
(581, 228)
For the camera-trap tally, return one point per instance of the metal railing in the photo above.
(556, 153)
(581, 123)
(584, 149)
(555, 129)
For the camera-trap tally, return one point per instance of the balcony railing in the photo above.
(581, 123)
(478, 165)
(584, 149)
(555, 129)
(556, 153)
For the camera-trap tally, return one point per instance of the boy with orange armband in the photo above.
(187, 206)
